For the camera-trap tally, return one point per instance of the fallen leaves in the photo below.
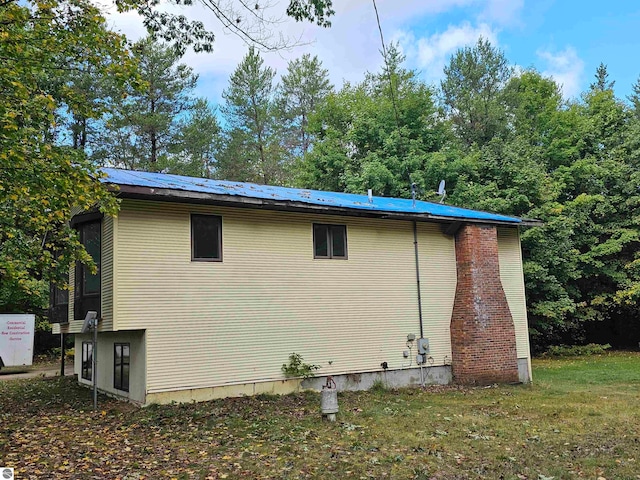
(46, 426)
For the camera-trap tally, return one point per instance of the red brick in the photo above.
(483, 338)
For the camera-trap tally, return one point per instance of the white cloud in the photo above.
(503, 12)
(565, 67)
(430, 53)
(352, 45)
(127, 23)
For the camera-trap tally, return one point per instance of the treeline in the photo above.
(157, 124)
(504, 141)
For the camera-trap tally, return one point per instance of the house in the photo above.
(206, 287)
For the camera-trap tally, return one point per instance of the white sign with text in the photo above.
(16, 339)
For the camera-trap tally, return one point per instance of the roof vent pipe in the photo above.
(370, 194)
(414, 187)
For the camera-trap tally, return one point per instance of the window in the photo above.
(329, 241)
(121, 366)
(59, 303)
(87, 284)
(206, 238)
(87, 360)
(60, 296)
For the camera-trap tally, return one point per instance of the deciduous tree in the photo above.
(40, 180)
(256, 23)
(367, 139)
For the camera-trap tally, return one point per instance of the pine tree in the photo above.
(635, 97)
(251, 151)
(78, 126)
(472, 92)
(305, 85)
(198, 142)
(602, 82)
(143, 124)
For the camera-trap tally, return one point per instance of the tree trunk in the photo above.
(256, 119)
(83, 133)
(154, 138)
(154, 147)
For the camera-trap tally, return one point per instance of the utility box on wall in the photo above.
(423, 346)
(16, 339)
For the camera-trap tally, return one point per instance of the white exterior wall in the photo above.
(105, 349)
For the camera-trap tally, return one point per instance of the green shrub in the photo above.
(378, 387)
(576, 350)
(297, 368)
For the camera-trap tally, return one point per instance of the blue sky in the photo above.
(596, 31)
(565, 39)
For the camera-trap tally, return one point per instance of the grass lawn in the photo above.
(581, 419)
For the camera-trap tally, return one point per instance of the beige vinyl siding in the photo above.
(238, 320)
(438, 273)
(106, 273)
(512, 277)
(106, 282)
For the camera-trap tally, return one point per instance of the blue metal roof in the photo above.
(312, 197)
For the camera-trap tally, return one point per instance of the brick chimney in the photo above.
(483, 337)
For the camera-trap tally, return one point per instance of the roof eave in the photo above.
(531, 222)
(163, 194)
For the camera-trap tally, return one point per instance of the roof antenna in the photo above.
(441, 191)
(414, 187)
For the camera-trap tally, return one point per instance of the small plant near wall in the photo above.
(297, 368)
